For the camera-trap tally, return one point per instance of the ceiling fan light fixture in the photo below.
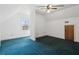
(49, 8)
(49, 5)
(48, 11)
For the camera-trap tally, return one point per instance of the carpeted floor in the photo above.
(43, 46)
(67, 47)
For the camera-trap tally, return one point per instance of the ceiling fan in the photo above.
(50, 7)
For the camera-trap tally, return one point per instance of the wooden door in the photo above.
(69, 32)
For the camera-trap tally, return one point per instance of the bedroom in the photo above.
(29, 30)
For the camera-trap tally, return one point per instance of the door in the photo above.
(69, 32)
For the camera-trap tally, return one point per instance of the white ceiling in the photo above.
(39, 11)
(69, 12)
(6, 10)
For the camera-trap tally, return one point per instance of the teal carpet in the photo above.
(66, 47)
(25, 46)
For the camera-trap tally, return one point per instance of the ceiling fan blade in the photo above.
(41, 6)
(53, 8)
(57, 5)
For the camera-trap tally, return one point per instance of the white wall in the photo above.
(12, 27)
(7, 10)
(0, 36)
(32, 25)
(56, 27)
(39, 26)
(0, 32)
(54, 22)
